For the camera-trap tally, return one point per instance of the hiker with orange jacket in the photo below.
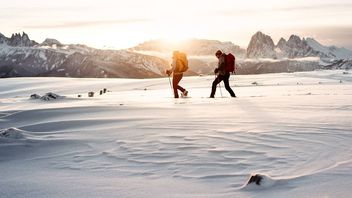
(223, 73)
(179, 66)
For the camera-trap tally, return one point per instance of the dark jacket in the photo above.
(222, 65)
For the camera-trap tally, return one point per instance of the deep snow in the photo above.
(137, 141)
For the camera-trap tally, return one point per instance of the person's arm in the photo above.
(221, 65)
(173, 67)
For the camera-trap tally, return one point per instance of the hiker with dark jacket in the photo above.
(222, 75)
(178, 64)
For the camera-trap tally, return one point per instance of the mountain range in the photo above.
(262, 46)
(20, 56)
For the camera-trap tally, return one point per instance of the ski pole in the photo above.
(220, 90)
(171, 86)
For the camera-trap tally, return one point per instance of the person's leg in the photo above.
(178, 86)
(227, 85)
(175, 80)
(217, 80)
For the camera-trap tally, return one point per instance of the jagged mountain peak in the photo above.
(259, 34)
(261, 45)
(17, 40)
(282, 42)
(294, 38)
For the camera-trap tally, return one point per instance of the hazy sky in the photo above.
(124, 23)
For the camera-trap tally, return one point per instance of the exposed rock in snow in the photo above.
(51, 96)
(11, 133)
(257, 181)
(35, 96)
(47, 96)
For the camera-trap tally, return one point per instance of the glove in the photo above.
(168, 72)
(216, 70)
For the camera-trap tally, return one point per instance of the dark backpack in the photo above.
(230, 63)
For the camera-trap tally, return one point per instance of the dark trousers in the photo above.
(176, 78)
(217, 80)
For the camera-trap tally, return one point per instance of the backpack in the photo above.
(230, 63)
(182, 62)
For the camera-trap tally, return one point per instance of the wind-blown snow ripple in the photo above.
(196, 152)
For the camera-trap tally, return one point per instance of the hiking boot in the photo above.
(184, 93)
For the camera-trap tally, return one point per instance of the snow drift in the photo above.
(292, 130)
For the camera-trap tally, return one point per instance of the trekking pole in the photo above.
(220, 90)
(171, 86)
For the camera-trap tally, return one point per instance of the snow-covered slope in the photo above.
(332, 51)
(291, 130)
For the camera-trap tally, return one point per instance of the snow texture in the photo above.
(292, 130)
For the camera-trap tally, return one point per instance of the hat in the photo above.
(218, 53)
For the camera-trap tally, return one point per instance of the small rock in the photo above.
(91, 94)
(35, 96)
(50, 96)
(257, 179)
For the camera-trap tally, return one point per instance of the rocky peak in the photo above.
(281, 44)
(294, 39)
(262, 46)
(51, 42)
(19, 40)
(3, 39)
(296, 42)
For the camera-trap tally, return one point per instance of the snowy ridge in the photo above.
(332, 51)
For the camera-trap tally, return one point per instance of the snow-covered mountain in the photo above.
(20, 56)
(330, 51)
(294, 54)
(193, 47)
(262, 46)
